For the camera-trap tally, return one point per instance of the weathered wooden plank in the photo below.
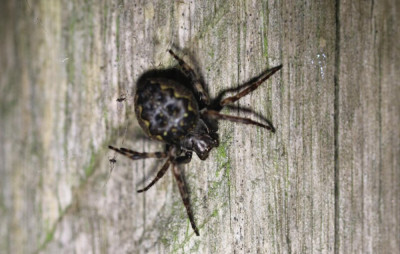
(368, 130)
(68, 62)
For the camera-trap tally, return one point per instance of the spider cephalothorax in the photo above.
(177, 110)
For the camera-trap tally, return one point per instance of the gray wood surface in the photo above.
(328, 181)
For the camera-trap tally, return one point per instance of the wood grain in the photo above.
(328, 180)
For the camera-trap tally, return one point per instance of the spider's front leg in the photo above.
(219, 104)
(237, 119)
(250, 87)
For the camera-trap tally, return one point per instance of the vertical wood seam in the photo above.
(336, 127)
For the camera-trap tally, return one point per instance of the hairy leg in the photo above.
(218, 116)
(185, 196)
(137, 155)
(251, 87)
(198, 87)
(159, 175)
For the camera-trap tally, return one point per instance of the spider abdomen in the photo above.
(165, 109)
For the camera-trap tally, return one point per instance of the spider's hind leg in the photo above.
(197, 86)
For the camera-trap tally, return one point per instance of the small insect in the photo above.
(173, 107)
(121, 98)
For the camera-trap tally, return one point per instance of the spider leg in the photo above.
(160, 174)
(198, 87)
(137, 155)
(185, 196)
(218, 116)
(250, 87)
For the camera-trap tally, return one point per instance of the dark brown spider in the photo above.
(175, 109)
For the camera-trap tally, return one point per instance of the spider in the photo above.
(173, 107)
